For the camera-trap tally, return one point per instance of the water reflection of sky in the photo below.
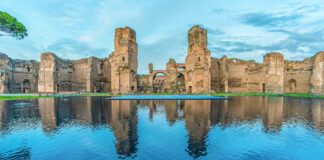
(95, 127)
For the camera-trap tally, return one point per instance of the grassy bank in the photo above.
(298, 95)
(21, 96)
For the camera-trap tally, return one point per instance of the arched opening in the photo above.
(292, 85)
(158, 81)
(181, 87)
(26, 86)
(123, 59)
(190, 89)
(222, 88)
(57, 88)
(198, 59)
(99, 86)
(101, 66)
(264, 88)
(181, 69)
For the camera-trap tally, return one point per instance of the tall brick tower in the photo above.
(124, 61)
(198, 62)
(274, 72)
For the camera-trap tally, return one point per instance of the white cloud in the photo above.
(162, 26)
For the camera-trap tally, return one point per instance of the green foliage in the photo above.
(10, 26)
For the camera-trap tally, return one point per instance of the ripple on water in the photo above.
(97, 128)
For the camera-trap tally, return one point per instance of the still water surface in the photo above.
(98, 128)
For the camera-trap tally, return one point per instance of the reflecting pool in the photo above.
(100, 128)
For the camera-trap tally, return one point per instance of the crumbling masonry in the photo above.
(200, 73)
(203, 73)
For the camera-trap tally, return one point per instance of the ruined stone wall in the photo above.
(255, 78)
(84, 75)
(238, 75)
(214, 74)
(124, 61)
(317, 74)
(100, 74)
(18, 76)
(274, 72)
(5, 75)
(143, 83)
(198, 62)
(106, 74)
(171, 79)
(55, 74)
(235, 75)
(47, 77)
(117, 73)
(200, 73)
(64, 75)
(297, 76)
(305, 76)
(274, 75)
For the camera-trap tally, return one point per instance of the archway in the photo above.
(158, 81)
(264, 88)
(292, 85)
(26, 86)
(98, 87)
(57, 88)
(181, 69)
(181, 86)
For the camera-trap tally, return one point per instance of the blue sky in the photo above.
(244, 29)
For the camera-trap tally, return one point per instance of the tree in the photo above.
(10, 26)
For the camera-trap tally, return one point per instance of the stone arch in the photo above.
(181, 82)
(26, 86)
(181, 69)
(292, 85)
(64, 86)
(98, 87)
(57, 88)
(155, 73)
(158, 81)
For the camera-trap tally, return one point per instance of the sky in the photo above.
(246, 29)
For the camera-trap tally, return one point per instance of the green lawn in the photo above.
(301, 95)
(20, 96)
(2, 98)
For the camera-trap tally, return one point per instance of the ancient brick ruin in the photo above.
(123, 61)
(200, 73)
(18, 75)
(203, 73)
(116, 74)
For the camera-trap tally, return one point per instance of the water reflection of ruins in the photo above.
(122, 116)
